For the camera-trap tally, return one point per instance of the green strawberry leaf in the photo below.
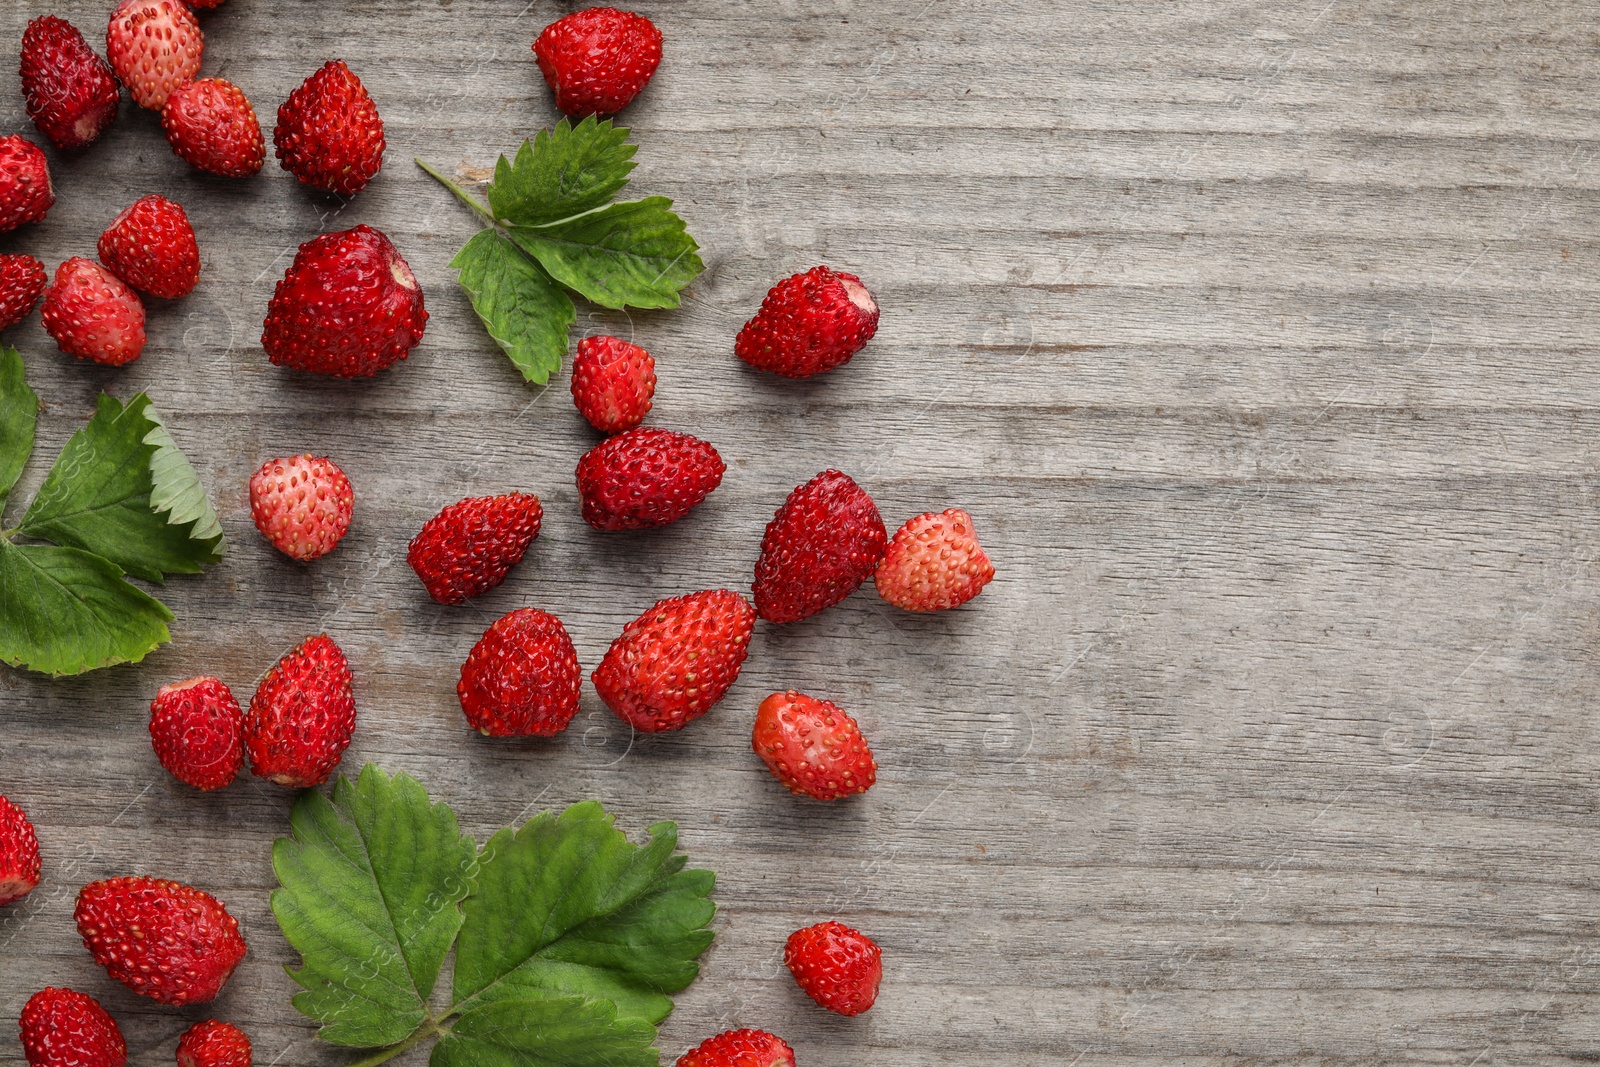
(564, 172)
(176, 491)
(548, 1032)
(526, 312)
(66, 611)
(19, 411)
(637, 254)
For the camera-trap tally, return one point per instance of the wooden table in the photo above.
(1262, 342)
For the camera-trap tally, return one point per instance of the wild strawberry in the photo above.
(348, 306)
(809, 323)
(197, 730)
(22, 280)
(934, 562)
(740, 1048)
(598, 59)
(821, 545)
(19, 854)
(838, 967)
(211, 126)
(213, 1044)
(66, 1028)
(151, 246)
(302, 716)
(813, 747)
(302, 504)
(522, 677)
(155, 48)
(646, 477)
(92, 314)
(69, 91)
(612, 383)
(25, 190)
(164, 940)
(469, 547)
(329, 134)
(671, 664)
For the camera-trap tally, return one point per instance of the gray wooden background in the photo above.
(1261, 340)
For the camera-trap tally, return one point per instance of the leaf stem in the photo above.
(465, 197)
(429, 1028)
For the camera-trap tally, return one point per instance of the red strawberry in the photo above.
(598, 59)
(301, 504)
(469, 547)
(213, 1044)
(155, 48)
(348, 306)
(19, 854)
(646, 477)
(163, 940)
(838, 967)
(740, 1048)
(522, 678)
(151, 246)
(25, 189)
(65, 1028)
(329, 134)
(933, 563)
(93, 315)
(612, 383)
(671, 664)
(809, 323)
(210, 125)
(821, 545)
(302, 715)
(813, 747)
(197, 730)
(69, 91)
(22, 279)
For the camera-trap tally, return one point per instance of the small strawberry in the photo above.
(19, 854)
(329, 134)
(66, 1028)
(934, 562)
(671, 664)
(522, 678)
(809, 323)
(25, 189)
(348, 306)
(469, 547)
(151, 246)
(69, 91)
(740, 1048)
(813, 747)
(824, 541)
(838, 967)
(301, 504)
(646, 477)
(213, 1044)
(211, 126)
(302, 715)
(612, 383)
(22, 280)
(197, 730)
(155, 48)
(598, 59)
(92, 314)
(164, 940)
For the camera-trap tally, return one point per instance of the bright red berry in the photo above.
(348, 306)
(813, 747)
(151, 246)
(522, 677)
(25, 190)
(934, 562)
(838, 967)
(824, 541)
(213, 1044)
(19, 854)
(164, 940)
(69, 91)
(211, 126)
(22, 281)
(809, 323)
(646, 477)
(197, 730)
(469, 547)
(66, 1028)
(612, 383)
(93, 314)
(329, 134)
(302, 715)
(302, 504)
(671, 664)
(598, 59)
(155, 47)
(740, 1048)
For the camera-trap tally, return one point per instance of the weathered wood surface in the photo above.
(1262, 341)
